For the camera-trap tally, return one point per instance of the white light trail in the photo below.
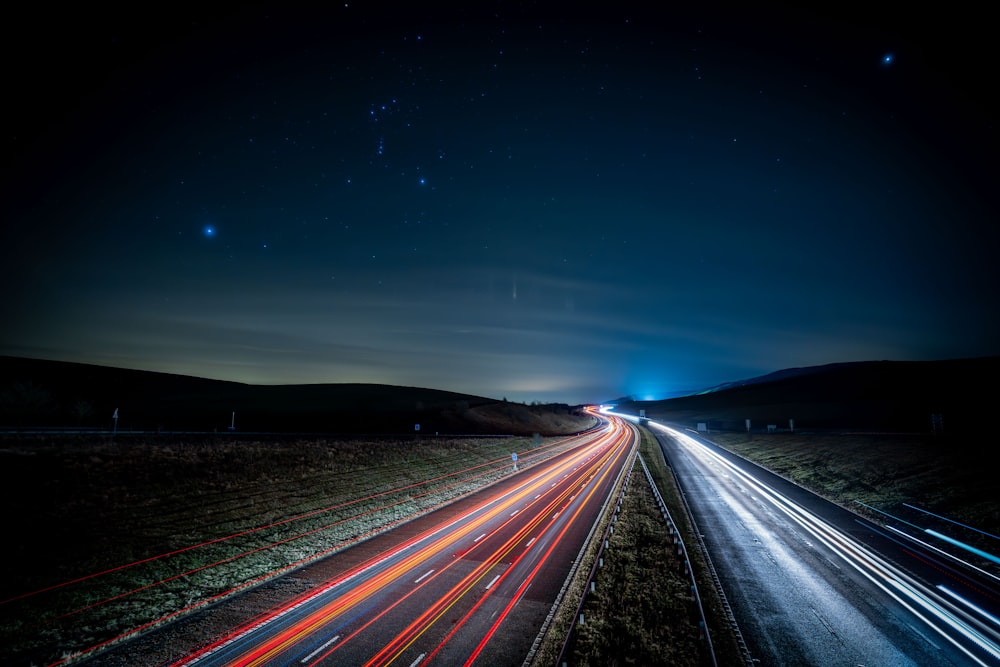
(962, 545)
(906, 591)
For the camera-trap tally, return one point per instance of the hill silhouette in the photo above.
(951, 396)
(46, 393)
(954, 396)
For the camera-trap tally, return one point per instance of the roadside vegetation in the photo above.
(641, 610)
(871, 474)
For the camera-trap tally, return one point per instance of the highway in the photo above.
(473, 587)
(810, 583)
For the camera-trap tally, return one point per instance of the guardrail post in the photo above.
(674, 532)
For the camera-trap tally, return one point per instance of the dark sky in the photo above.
(531, 201)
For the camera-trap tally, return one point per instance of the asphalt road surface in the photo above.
(810, 583)
(468, 587)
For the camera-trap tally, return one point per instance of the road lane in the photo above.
(475, 587)
(805, 589)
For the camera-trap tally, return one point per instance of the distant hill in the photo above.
(954, 395)
(783, 374)
(36, 392)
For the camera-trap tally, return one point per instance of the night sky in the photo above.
(516, 200)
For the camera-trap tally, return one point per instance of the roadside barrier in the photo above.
(747, 659)
(679, 550)
(621, 484)
(681, 553)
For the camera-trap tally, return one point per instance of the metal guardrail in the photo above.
(599, 557)
(681, 551)
(747, 658)
(622, 481)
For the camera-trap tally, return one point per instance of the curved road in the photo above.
(468, 589)
(810, 583)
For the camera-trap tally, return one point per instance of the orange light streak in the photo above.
(537, 492)
(409, 635)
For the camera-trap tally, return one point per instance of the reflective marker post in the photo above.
(513, 457)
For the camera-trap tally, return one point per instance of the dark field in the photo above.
(943, 475)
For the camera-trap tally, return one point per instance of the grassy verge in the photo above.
(724, 637)
(641, 610)
(872, 473)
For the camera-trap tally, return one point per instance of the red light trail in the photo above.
(394, 605)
